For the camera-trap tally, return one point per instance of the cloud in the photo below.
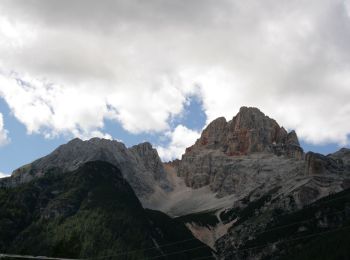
(68, 66)
(4, 138)
(52, 109)
(2, 175)
(180, 139)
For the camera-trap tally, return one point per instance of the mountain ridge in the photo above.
(145, 175)
(236, 171)
(227, 158)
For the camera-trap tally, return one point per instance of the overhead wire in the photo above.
(168, 244)
(268, 244)
(205, 246)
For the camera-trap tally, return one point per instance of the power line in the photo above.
(179, 252)
(206, 257)
(309, 205)
(289, 240)
(145, 249)
(34, 257)
(298, 222)
(168, 244)
(279, 227)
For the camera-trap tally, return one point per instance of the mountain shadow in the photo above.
(91, 212)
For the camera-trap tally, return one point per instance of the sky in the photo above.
(160, 70)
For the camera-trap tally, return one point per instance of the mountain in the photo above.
(256, 168)
(250, 131)
(89, 212)
(239, 181)
(251, 155)
(226, 152)
(140, 164)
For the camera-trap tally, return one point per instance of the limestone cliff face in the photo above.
(232, 156)
(250, 131)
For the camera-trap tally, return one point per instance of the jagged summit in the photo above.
(248, 132)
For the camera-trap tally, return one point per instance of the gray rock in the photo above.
(147, 156)
(140, 165)
(321, 164)
(228, 155)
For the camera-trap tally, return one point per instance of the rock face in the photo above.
(234, 156)
(140, 164)
(147, 156)
(321, 164)
(250, 131)
(343, 154)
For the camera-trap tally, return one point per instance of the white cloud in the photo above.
(136, 62)
(180, 139)
(54, 109)
(347, 6)
(94, 133)
(2, 175)
(4, 138)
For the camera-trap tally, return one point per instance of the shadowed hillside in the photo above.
(90, 212)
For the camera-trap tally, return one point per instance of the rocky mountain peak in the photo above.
(248, 132)
(144, 147)
(292, 138)
(148, 156)
(140, 164)
(251, 118)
